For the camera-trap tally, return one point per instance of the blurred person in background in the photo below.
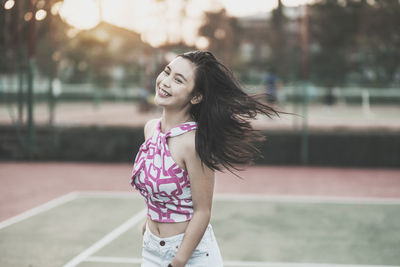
(146, 96)
(204, 127)
(271, 81)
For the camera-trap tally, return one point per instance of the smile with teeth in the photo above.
(163, 92)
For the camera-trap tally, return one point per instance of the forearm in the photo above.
(193, 234)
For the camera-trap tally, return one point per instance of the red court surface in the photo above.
(27, 185)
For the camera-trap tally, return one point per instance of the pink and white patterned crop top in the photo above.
(163, 183)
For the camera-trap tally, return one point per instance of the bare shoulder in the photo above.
(150, 127)
(188, 142)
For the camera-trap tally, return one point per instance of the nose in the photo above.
(165, 82)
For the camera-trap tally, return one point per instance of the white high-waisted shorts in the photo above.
(159, 252)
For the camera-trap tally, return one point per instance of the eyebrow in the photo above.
(177, 74)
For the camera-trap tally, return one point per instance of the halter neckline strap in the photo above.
(179, 129)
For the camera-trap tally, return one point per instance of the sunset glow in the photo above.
(9, 4)
(159, 21)
(249, 7)
(296, 2)
(82, 14)
(40, 14)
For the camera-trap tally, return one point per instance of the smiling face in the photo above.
(174, 85)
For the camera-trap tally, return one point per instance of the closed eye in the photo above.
(167, 70)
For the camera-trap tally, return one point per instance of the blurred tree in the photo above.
(355, 39)
(104, 54)
(380, 40)
(15, 34)
(278, 42)
(252, 39)
(13, 29)
(350, 41)
(333, 30)
(51, 40)
(221, 31)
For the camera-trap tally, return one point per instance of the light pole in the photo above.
(31, 63)
(304, 86)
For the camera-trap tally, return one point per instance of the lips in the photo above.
(163, 93)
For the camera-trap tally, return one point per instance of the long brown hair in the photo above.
(224, 136)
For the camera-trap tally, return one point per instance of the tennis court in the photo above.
(306, 224)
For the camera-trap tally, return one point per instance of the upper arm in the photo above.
(149, 128)
(201, 177)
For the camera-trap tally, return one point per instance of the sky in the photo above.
(159, 21)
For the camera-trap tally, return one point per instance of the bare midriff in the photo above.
(163, 230)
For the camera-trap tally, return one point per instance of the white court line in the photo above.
(108, 194)
(260, 197)
(309, 199)
(39, 209)
(230, 197)
(64, 199)
(294, 264)
(113, 260)
(84, 256)
(238, 263)
(107, 239)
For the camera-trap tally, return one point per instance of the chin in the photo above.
(159, 102)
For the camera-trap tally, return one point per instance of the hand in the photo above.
(176, 263)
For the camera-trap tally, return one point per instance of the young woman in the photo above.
(204, 127)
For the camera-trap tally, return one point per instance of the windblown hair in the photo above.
(225, 137)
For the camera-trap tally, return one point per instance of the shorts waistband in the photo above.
(170, 238)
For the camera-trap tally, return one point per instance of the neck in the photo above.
(171, 118)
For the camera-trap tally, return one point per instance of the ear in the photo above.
(196, 99)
